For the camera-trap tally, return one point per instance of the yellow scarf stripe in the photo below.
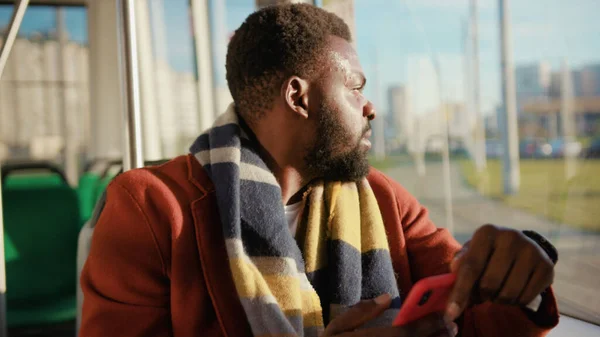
(252, 284)
(372, 236)
(344, 209)
(360, 227)
(314, 241)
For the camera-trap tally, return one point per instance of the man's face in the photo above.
(340, 147)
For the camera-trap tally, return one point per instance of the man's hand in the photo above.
(501, 265)
(345, 325)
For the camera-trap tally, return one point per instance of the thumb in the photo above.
(457, 258)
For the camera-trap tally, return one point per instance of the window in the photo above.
(45, 83)
(421, 60)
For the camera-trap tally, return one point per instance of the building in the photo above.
(345, 10)
(400, 115)
(590, 80)
(586, 82)
(185, 108)
(265, 3)
(36, 98)
(532, 83)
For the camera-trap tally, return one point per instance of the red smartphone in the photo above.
(427, 296)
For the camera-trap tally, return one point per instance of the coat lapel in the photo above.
(213, 256)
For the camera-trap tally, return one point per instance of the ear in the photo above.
(295, 94)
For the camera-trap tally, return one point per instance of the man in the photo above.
(203, 245)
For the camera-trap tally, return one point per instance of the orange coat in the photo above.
(158, 265)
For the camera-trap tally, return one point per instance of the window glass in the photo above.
(423, 59)
(45, 83)
(175, 85)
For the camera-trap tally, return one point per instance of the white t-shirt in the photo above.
(292, 215)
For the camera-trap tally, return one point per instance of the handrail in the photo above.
(132, 115)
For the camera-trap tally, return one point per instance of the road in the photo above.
(578, 271)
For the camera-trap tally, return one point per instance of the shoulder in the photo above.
(181, 176)
(385, 187)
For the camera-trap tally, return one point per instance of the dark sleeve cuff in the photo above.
(547, 314)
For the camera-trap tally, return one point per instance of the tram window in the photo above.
(409, 47)
(36, 96)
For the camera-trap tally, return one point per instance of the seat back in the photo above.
(86, 191)
(41, 220)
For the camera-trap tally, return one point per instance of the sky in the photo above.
(395, 35)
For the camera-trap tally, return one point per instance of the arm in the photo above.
(124, 281)
(431, 251)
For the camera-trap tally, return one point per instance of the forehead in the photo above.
(341, 57)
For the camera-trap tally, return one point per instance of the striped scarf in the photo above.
(340, 257)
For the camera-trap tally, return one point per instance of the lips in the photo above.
(365, 139)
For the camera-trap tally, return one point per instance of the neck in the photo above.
(292, 181)
(286, 164)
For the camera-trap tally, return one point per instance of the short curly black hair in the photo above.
(272, 44)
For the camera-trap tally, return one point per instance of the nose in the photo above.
(369, 111)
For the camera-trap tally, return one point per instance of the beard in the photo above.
(324, 160)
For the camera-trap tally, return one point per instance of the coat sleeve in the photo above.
(430, 251)
(124, 280)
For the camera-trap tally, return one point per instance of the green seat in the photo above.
(42, 223)
(86, 191)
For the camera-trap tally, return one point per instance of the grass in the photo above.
(545, 190)
(390, 161)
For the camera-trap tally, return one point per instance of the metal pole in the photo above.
(480, 155)
(133, 154)
(71, 159)
(15, 24)
(445, 152)
(204, 63)
(510, 135)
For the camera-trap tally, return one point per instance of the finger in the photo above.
(542, 278)
(358, 315)
(454, 329)
(518, 278)
(497, 269)
(470, 268)
(457, 257)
